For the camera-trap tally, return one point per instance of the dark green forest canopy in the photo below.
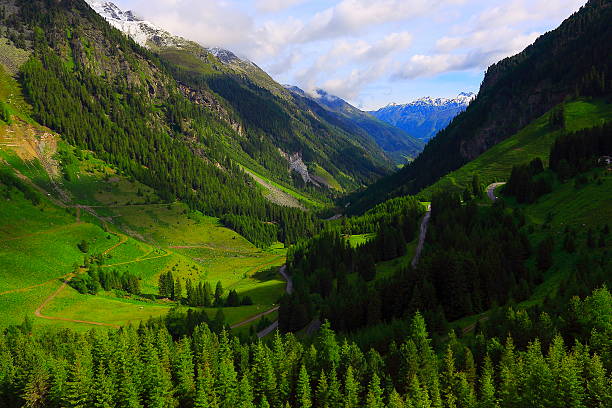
(147, 367)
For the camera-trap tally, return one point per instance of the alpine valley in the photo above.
(178, 229)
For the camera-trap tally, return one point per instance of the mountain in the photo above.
(398, 144)
(271, 125)
(514, 92)
(426, 116)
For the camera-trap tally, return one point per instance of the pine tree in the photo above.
(178, 290)
(78, 385)
(449, 379)
(322, 391)
(418, 396)
(35, 393)
(303, 389)
(104, 389)
(374, 398)
(245, 393)
(334, 395)
(351, 390)
(487, 386)
(219, 294)
(395, 400)
(184, 370)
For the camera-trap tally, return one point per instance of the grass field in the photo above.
(38, 246)
(360, 239)
(533, 141)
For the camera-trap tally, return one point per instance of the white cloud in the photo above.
(346, 46)
(271, 6)
(374, 61)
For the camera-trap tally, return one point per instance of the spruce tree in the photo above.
(487, 386)
(351, 390)
(374, 397)
(303, 389)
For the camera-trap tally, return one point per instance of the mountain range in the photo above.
(190, 56)
(424, 117)
(515, 91)
(401, 146)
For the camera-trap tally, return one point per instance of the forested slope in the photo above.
(104, 93)
(572, 61)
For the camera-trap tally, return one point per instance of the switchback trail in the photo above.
(289, 290)
(33, 286)
(274, 325)
(253, 318)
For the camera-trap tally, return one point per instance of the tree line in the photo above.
(200, 294)
(148, 367)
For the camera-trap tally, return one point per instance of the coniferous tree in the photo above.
(351, 390)
(303, 389)
(374, 397)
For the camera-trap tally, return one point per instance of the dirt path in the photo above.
(137, 260)
(253, 318)
(491, 191)
(40, 308)
(33, 286)
(122, 240)
(274, 325)
(422, 235)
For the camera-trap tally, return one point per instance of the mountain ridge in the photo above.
(397, 143)
(514, 92)
(426, 116)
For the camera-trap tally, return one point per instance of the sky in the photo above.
(369, 52)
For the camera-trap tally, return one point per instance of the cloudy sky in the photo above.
(370, 52)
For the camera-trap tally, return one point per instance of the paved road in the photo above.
(268, 330)
(253, 318)
(422, 235)
(289, 287)
(491, 190)
(274, 325)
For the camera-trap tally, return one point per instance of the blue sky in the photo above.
(369, 52)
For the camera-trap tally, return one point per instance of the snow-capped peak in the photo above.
(464, 99)
(144, 32)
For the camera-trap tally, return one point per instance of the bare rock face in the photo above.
(297, 164)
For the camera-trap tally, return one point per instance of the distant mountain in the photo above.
(426, 116)
(398, 144)
(148, 34)
(270, 122)
(565, 64)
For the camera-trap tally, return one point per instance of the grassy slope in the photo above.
(532, 141)
(38, 244)
(309, 202)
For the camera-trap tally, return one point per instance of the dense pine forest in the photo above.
(155, 143)
(146, 367)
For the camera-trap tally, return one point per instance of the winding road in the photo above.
(491, 190)
(274, 325)
(422, 236)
